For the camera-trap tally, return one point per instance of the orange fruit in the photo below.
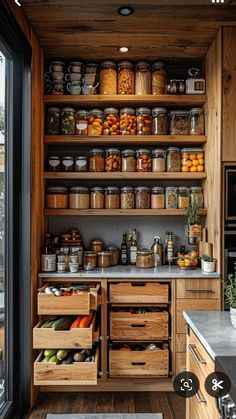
(185, 169)
(192, 156)
(181, 262)
(188, 163)
(200, 156)
(195, 162)
(193, 169)
(194, 262)
(200, 168)
(201, 161)
(188, 263)
(194, 254)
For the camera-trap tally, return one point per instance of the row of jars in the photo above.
(143, 160)
(127, 121)
(127, 197)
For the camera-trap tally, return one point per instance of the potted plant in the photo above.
(230, 296)
(193, 224)
(208, 263)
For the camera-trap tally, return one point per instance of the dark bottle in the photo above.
(124, 251)
(49, 258)
(133, 248)
(47, 249)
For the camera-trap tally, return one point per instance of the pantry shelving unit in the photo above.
(125, 176)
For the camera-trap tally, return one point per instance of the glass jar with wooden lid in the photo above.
(125, 78)
(56, 197)
(158, 78)
(97, 197)
(142, 78)
(108, 78)
(79, 197)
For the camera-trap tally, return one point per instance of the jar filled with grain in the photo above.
(81, 122)
(143, 78)
(158, 160)
(158, 197)
(171, 197)
(108, 78)
(79, 197)
(173, 162)
(111, 121)
(96, 160)
(128, 161)
(113, 160)
(68, 121)
(127, 197)
(67, 163)
(196, 196)
(128, 124)
(90, 258)
(125, 78)
(115, 254)
(183, 197)
(56, 197)
(112, 197)
(142, 197)
(179, 122)
(104, 259)
(96, 245)
(144, 160)
(197, 122)
(159, 121)
(95, 126)
(158, 78)
(53, 121)
(97, 197)
(81, 164)
(144, 121)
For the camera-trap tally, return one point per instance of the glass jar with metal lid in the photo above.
(81, 164)
(183, 197)
(144, 121)
(68, 121)
(81, 122)
(196, 196)
(142, 197)
(144, 160)
(127, 199)
(79, 197)
(113, 160)
(112, 197)
(115, 254)
(125, 78)
(90, 259)
(158, 78)
(108, 78)
(54, 164)
(67, 163)
(171, 197)
(159, 121)
(97, 198)
(111, 121)
(192, 160)
(56, 197)
(179, 122)
(128, 125)
(53, 121)
(95, 126)
(96, 160)
(197, 122)
(173, 159)
(158, 160)
(158, 197)
(96, 245)
(104, 259)
(128, 160)
(144, 259)
(142, 78)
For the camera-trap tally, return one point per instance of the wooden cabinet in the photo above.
(192, 304)
(141, 293)
(198, 288)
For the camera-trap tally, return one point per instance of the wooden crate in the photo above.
(148, 326)
(145, 293)
(78, 373)
(138, 363)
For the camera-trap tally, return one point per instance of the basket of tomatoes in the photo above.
(187, 260)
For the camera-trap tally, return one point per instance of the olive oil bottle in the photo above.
(124, 251)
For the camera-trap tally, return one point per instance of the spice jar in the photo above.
(183, 197)
(197, 123)
(56, 197)
(97, 198)
(95, 122)
(111, 122)
(142, 198)
(128, 124)
(158, 197)
(144, 259)
(81, 122)
(179, 122)
(108, 78)
(128, 161)
(144, 121)
(54, 164)
(90, 258)
(142, 78)
(171, 197)
(158, 160)
(53, 121)
(96, 160)
(68, 121)
(158, 78)
(81, 164)
(67, 164)
(112, 197)
(159, 121)
(196, 196)
(79, 197)
(173, 159)
(115, 254)
(192, 160)
(104, 259)
(96, 245)
(144, 161)
(113, 160)
(127, 197)
(125, 78)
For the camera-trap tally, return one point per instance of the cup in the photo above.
(57, 75)
(74, 267)
(75, 67)
(73, 77)
(56, 66)
(61, 267)
(74, 89)
(74, 258)
(87, 89)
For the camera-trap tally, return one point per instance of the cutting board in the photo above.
(205, 248)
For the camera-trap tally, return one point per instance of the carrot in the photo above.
(85, 322)
(76, 322)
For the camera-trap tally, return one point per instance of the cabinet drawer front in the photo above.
(198, 354)
(201, 304)
(181, 342)
(145, 293)
(180, 362)
(135, 363)
(198, 288)
(148, 326)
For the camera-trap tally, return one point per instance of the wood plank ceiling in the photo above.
(157, 29)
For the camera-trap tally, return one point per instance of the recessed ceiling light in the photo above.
(125, 11)
(123, 49)
(217, 1)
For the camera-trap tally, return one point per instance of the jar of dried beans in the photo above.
(158, 160)
(128, 124)
(96, 160)
(144, 160)
(113, 160)
(173, 159)
(197, 124)
(179, 122)
(111, 122)
(125, 78)
(112, 197)
(158, 198)
(97, 198)
(128, 161)
(158, 78)
(159, 121)
(79, 197)
(142, 78)
(108, 78)
(95, 122)
(53, 121)
(68, 121)
(142, 197)
(144, 121)
(171, 197)
(127, 197)
(183, 197)
(81, 122)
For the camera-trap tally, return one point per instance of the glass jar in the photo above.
(171, 197)
(53, 121)
(97, 198)
(142, 78)
(128, 161)
(95, 122)
(158, 197)
(144, 160)
(173, 159)
(56, 197)
(158, 78)
(196, 196)
(115, 254)
(113, 160)
(159, 121)
(158, 160)
(142, 197)
(112, 197)
(179, 122)
(81, 164)
(79, 197)
(90, 258)
(111, 122)
(81, 122)
(54, 164)
(192, 160)
(67, 164)
(104, 259)
(197, 122)
(96, 160)
(183, 197)
(144, 121)
(68, 121)
(108, 78)
(128, 125)
(125, 78)
(127, 197)
(96, 245)
(144, 259)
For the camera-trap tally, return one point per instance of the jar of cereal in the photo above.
(95, 122)
(113, 160)
(108, 78)
(144, 121)
(142, 78)
(173, 159)
(68, 121)
(128, 124)
(125, 78)
(171, 197)
(179, 122)
(81, 122)
(144, 160)
(96, 160)
(111, 122)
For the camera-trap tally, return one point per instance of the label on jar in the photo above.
(81, 126)
(53, 163)
(81, 163)
(49, 263)
(67, 163)
(133, 254)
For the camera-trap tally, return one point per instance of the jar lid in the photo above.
(67, 158)
(144, 252)
(96, 111)
(76, 63)
(158, 65)
(183, 189)
(89, 253)
(127, 189)
(83, 112)
(112, 248)
(156, 111)
(92, 65)
(125, 64)
(128, 152)
(158, 150)
(142, 65)
(143, 150)
(104, 253)
(143, 110)
(52, 109)
(127, 111)
(96, 151)
(112, 111)
(196, 189)
(196, 110)
(53, 158)
(171, 188)
(158, 189)
(81, 158)
(142, 188)
(57, 62)
(192, 150)
(56, 189)
(67, 109)
(97, 189)
(112, 151)
(107, 64)
(173, 149)
(97, 241)
(113, 189)
(184, 113)
(77, 189)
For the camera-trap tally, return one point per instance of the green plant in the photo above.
(207, 258)
(192, 216)
(230, 291)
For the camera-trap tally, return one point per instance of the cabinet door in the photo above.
(192, 304)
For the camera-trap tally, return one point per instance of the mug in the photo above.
(87, 89)
(89, 78)
(55, 87)
(73, 77)
(74, 89)
(75, 67)
(56, 66)
(57, 75)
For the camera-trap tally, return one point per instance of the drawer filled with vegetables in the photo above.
(139, 293)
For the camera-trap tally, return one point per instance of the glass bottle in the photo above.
(133, 248)
(124, 251)
(169, 248)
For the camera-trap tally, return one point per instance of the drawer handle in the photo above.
(138, 363)
(138, 325)
(138, 284)
(195, 354)
(199, 289)
(200, 398)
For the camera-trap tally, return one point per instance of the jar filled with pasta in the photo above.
(173, 159)
(144, 160)
(158, 160)
(159, 121)
(158, 78)
(95, 122)
(128, 161)
(183, 197)
(96, 160)
(142, 197)
(127, 200)
(113, 160)
(158, 197)
(128, 124)
(125, 78)
(142, 78)
(81, 122)
(68, 121)
(111, 121)
(197, 123)
(144, 121)
(108, 78)
(53, 121)
(112, 197)
(97, 197)
(171, 197)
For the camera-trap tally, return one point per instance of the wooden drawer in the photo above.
(199, 355)
(76, 338)
(136, 364)
(181, 342)
(198, 288)
(192, 304)
(148, 326)
(180, 362)
(78, 373)
(82, 303)
(141, 293)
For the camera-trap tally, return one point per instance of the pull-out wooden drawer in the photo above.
(82, 303)
(141, 293)
(78, 373)
(192, 304)
(198, 288)
(138, 363)
(148, 326)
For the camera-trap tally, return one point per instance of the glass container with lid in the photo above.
(67, 163)
(144, 121)
(113, 160)
(108, 78)
(173, 159)
(111, 122)
(171, 197)
(158, 197)
(96, 160)
(197, 122)
(142, 198)
(159, 121)
(128, 160)
(128, 124)
(97, 198)
(179, 122)
(81, 164)
(183, 197)
(196, 196)
(112, 197)
(54, 164)
(142, 78)
(158, 160)
(125, 78)
(95, 126)
(192, 160)
(144, 259)
(90, 258)
(115, 254)
(81, 122)
(56, 197)
(144, 160)
(104, 259)
(96, 245)
(53, 121)
(68, 121)
(158, 78)
(79, 197)
(127, 198)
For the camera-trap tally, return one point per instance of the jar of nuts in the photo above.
(128, 161)
(179, 122)
(158, 197)
(183, 197)
(158, 160)
(97, 198)
(158, 78)
(81, 122)
(173, 159)
(111, 122)
(127, 121)
(144, 121)
(159, 121)
(68, 121)
(171, 197)
(142, 198)
(95, 122)
(108, 78)
(112, 197)
(113, 160)
(96, 160)
(125, 78)
(197, 124)
(144, 161)
(127, 197)
(142, 78)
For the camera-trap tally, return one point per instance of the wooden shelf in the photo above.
(135, 140)
(119, 212)
(125, 176)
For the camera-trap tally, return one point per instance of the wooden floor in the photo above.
(169, 404)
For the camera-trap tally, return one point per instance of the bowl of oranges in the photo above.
(187, 260)
(192, 160)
